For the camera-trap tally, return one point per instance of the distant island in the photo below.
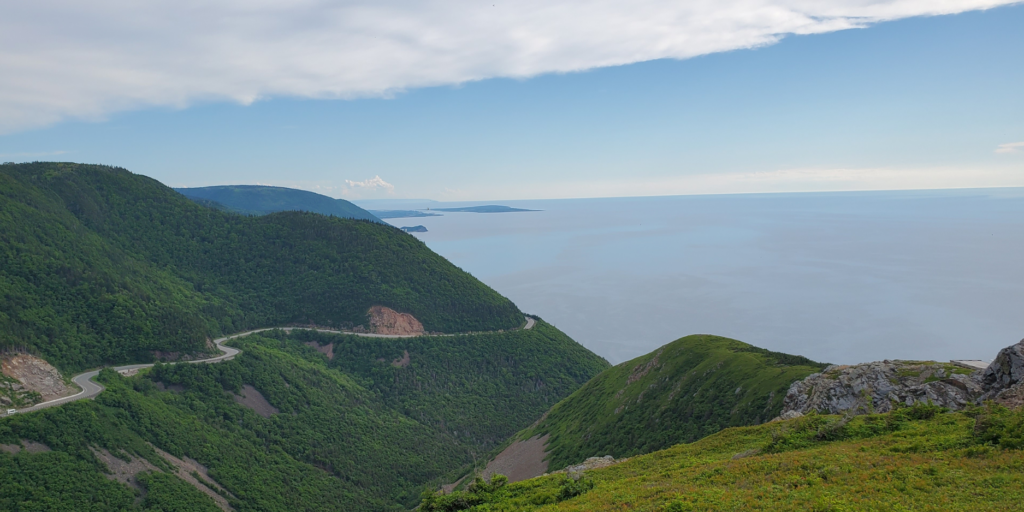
(491, 208)
(429, 212)
(414, 229)
(399, 214)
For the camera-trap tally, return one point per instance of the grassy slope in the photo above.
(897, 461)
(261, 200)
(686, 390)
(99, 265)
(339, 441)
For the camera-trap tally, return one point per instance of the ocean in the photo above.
(838, 277)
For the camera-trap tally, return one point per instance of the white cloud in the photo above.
(71, 59)
(1012, 147)
(374, 183)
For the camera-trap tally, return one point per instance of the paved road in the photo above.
(91, 388)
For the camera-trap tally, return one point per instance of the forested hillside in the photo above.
(326, 439)
(686, 390)
(261, 200)
(99, 265)
(470, 385)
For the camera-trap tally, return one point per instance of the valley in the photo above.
(293, 360)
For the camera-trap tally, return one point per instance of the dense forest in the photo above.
(682, 392)
(261, 200)
(99, 265)
(337, 439)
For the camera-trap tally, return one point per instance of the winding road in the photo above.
(91, 388)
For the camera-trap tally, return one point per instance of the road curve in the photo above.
(91, 388)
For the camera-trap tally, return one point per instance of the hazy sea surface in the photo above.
(837, 277)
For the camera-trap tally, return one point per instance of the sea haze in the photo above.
(838, 277)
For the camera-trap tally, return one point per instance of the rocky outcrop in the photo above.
(388, 321)
(576, 470)
(879, 386)
(882, 385)
(253, 399)
(36, 375)
(1005, 373)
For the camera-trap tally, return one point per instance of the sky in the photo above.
(528, 100)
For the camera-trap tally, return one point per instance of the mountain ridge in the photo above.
(105, 266)
(265, 199)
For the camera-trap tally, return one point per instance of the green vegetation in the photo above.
(341, 439)
(684, 391)
(12, 393)
(261, 200)
(100, 266)
(917, 458)
(168, 493)
(467, 386)
(58, 481)
(482, 495)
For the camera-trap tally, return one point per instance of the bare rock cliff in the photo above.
(1006, 370)
(1003, 380)
(388, 321)
(36, 375)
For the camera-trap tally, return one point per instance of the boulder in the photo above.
(1005, 373)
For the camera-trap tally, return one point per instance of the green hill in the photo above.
(468, 386)
(99, 265)
(916, 458)
(684, 391)
(363, 435)
(261, 200)
(102, 266)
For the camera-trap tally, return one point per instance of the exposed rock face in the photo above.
(327, 350)
(591, 463)
(880, 385)
(388, 321)
(1005, 373)
(36, 375)
(403, 361)
(253, 399)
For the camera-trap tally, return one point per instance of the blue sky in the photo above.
(918, 102)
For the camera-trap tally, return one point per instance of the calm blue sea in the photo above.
(838, 277)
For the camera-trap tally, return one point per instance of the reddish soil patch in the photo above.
(388, 321)
(403, 361)
(37, 375)
(522, 460)
(327, 350)
(254, 400)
